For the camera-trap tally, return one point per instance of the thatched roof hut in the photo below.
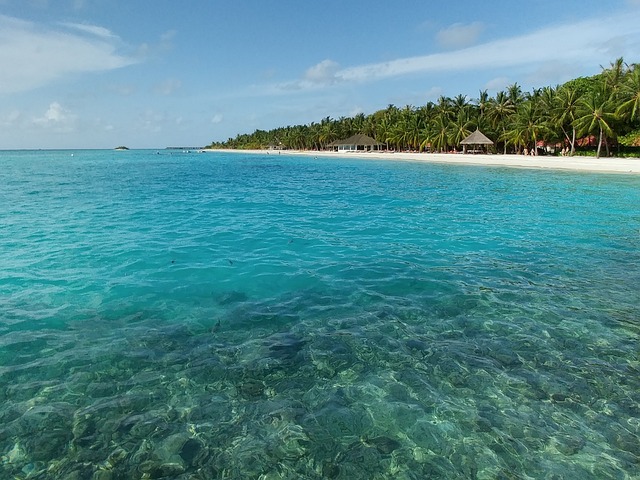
(477, 138)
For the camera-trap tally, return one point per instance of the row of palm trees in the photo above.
(592, 113)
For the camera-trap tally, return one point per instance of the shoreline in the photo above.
(542, 162)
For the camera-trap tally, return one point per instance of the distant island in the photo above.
(121, 148)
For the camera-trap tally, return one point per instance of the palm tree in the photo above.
(596, 115)
(358, 123)
(482, 102)
(516, 135)
(459, 104)
(529, 125)
(414, 127)
(398, 136)
(369, 126)
(438, 134)
(564, 109)
(629, 109)
(460, 128)
(613, 76)
(383, 131)
(515, 94)
(500, 109)
(328, 132)
(445, 107)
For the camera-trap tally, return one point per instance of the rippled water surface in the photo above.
(200, 316)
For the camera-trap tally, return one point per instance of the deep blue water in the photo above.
(200, 316)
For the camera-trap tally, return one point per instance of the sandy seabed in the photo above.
(591, 164)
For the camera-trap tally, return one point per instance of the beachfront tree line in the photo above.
(587, 115)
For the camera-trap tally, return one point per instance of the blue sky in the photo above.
(156, 73)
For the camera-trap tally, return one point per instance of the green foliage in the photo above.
(605, 106)
(631, 139)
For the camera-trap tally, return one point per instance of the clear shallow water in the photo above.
(213, 316)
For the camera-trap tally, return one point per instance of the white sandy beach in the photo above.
(590, 164)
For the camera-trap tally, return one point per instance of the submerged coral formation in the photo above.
(386, 393)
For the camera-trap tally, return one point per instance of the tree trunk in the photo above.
(573, 142)
(504, 132)
(599, 144)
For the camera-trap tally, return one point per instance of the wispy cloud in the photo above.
(590, 41)
(586, 41)
(459, 35)
(93, 30)
(35, 55)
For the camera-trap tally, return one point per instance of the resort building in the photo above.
(355, 143)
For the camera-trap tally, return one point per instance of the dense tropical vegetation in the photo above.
(587, 115)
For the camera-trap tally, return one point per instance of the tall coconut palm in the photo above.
(438, 134)
(482, 103)
(515, 94)
(596, 115)
(516, 135)
(459, 103)
(358, 123)
(563, 112)
(629, 109)
(445, 107)
(328, 131)
(414, 127)
(398, 136)
(460, 128)
(529, 124)
(614, 75)
(426, 112)
(500, 109)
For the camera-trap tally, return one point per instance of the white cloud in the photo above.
(56, 117)
(586, 41)
(320, 75)
(323, 73)
(217, 118)
(590, 42)
(459, 35)
(93, 30)
(34, 55)
(497, 83)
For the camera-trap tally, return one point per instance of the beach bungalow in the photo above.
(476, 139)
(355, 143)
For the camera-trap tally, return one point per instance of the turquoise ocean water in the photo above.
(203, 316)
